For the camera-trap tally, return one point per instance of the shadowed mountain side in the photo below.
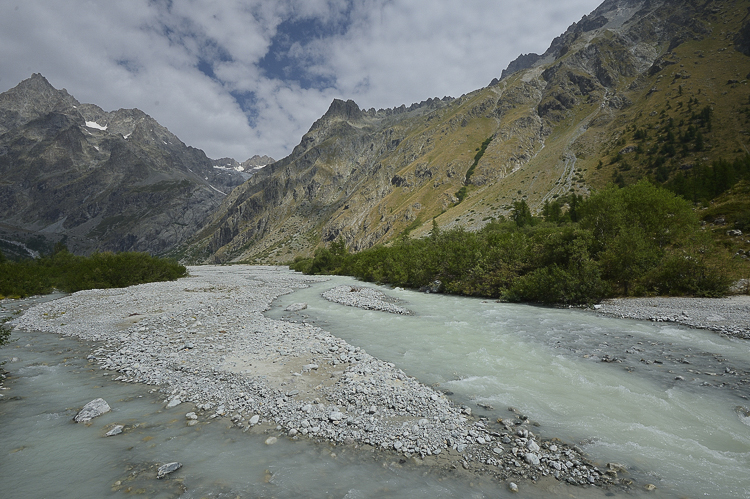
(98, 180)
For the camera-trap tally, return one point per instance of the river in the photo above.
(688, 437)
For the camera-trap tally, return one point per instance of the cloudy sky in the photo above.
(243, 77)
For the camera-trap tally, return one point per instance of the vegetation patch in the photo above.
(635, 241)
(462, 192)
(69, 273)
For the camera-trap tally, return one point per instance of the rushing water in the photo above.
(687, 439)
(45, 454)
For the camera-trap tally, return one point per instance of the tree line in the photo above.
(69, 273)
(637, 240)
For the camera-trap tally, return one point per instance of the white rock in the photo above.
(115, 431)
(174, 402)
(531, 458)
(168, 468)
(254, 420)
(93, 409)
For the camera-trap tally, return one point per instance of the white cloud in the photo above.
(381, 53)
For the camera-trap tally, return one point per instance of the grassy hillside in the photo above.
(661, 96)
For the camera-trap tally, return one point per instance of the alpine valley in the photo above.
(637, 88)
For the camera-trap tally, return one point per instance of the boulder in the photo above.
(93, 409)
(166, 469)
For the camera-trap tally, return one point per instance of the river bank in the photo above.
(205, 344)
(729, 316)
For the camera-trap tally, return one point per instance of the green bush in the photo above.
(69, 273)
(641, 239)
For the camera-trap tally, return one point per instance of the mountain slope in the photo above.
(98, 180)
(558, 123)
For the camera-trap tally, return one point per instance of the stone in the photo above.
(296, 307)
(93, 409)
(191, 415)
(174, 402)
(531, 459)
(271, 440)
(532, 446)
(336, 416)
(617, 467)
(497, 450)
(115, 431)
(254, 420)
(166, 469)
(513, 487)
(650, 487)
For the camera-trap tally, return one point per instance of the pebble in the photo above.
(271, 440)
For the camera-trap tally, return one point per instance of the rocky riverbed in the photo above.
(729, 316)
(204, 343)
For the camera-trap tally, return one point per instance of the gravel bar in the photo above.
(364, 298)
(729, 316)
(203, 341)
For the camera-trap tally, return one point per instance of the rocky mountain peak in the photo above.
(348, 110)
(31, 98)
(339, 110)
(257, 161)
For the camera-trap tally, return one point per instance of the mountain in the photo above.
(637, 88)
(98, 180)
(247, 167)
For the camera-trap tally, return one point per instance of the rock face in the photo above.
(99, 180)
(93, 409)
(369, 176)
